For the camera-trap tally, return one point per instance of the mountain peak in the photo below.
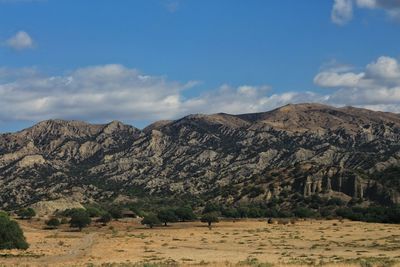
(314, 148)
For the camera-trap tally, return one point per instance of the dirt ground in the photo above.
(228, 243)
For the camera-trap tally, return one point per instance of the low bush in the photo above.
(11, 235)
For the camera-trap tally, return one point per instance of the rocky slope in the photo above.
(296, 149)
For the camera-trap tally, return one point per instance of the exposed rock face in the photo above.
(46, 208)
(306, 148)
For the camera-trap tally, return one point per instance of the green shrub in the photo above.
(26, 213)
(210, 218)
(11, 235)
(211, 207)
(185, 213)
(53, 223)
(230, 213)
(167, 215)
(94, 212)
(303, 212)
(115, 212)
(105, 218)
(151, 220)
(80, 219)
(336, 201)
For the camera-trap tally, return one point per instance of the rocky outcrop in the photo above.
(301, 149)
(46, 208)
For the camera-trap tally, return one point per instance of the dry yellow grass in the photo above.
(228, 243)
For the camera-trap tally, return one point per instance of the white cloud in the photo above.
(244, 99)
(378, 86)
(21, 40)
(342, 10)
(367, 3)
(108, 92)
(384, 68)
(334, 79)
(92, 93)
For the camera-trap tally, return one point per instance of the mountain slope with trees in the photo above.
(296, 151)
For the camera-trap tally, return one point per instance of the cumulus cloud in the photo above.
(113, 91)
(21, 40)
(108, 92)
(334, 79)
(377, 87)
(342, 10)
(245, 99)
(385, 68)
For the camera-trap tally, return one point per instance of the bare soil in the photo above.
(228, 243)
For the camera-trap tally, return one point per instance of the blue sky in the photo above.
(140, 61)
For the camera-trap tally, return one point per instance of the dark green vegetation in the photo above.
(298, 206)
(371, 214)
(153, 215)
(26, 213)
(209, 218)
(170, 208)
(11, 235)
(311, 207)
(158, 211)
(167, 215)
(150, 220)
(80, 219)
(53, 223)
(105, 218)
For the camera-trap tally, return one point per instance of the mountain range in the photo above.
(302, 149)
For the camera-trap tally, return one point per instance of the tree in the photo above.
(150, 220)
(105, 218)
(93, 212)
(303, 212)
(11, 235)
(26, 213)
(230, 213)
(69, 212)
(185, 213)
(210, 218)
(211, 207)
(53, 223)
(167, 215)
(394, 214)
(243, 211)
(115, 212)
(80, 219)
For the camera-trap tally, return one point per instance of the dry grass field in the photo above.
(228, 243)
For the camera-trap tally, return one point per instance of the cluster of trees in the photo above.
(77, 218)
(80, 218)
(379, 214)
(168, 215)
(305, 207)
(308, 207)
(182, 214)
(26, 213)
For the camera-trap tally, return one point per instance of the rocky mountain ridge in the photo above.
(296, 149)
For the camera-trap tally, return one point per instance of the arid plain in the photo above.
(228, 243)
